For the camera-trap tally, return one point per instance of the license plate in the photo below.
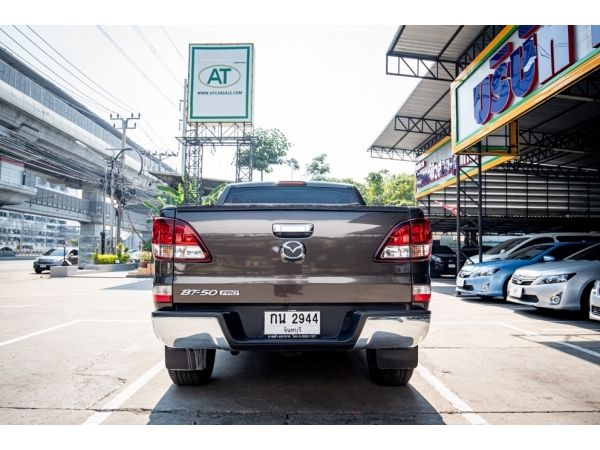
(292, 323)
(515, 291)
(460, 282)
(452, 266)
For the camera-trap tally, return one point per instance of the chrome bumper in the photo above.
(393, 332)
(195, 331)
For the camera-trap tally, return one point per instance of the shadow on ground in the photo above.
(142, 285)
(309, 388)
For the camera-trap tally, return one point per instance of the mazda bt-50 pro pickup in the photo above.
(291, 267)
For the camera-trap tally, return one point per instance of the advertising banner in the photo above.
(436, 168)
(221, 83)
(521, 68)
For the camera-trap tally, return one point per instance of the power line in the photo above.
(82, 94)
(126, 56)
(76, 107)
(148, 44)
(158, 136)
(127, 107)
(119, 101)
(65, 69)
(172, 43)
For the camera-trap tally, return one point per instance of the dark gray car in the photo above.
(291, 267)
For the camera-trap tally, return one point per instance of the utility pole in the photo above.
(124, 122)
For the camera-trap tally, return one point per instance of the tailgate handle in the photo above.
(293, 230)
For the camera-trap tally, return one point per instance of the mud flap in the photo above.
(387, 358)
(185, 358)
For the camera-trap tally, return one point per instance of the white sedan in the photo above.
(565, 284)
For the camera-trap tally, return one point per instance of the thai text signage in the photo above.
(521, 68)
(220, 86)
(436, 168)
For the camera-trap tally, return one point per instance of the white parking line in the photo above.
(117, 320)
(465, 410)
(566, 344)
(66, 324)
(42, 294)
(37, 333)
(17, 306)
(100, 416)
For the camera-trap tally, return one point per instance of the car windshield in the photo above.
(531, 252)
(56, 252)
(442, 249)
(589, 254)
(506, 245)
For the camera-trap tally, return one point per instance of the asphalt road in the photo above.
(81, 351)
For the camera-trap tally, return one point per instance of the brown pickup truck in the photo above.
(291, 266)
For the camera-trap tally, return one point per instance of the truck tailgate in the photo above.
(248, 267)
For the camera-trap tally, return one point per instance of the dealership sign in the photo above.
(523, 67)
(436, 168)
(220, 86)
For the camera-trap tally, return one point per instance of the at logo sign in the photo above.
(219, 76)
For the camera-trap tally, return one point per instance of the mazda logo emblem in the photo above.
(293, 251)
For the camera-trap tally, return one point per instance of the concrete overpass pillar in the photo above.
(90, 234)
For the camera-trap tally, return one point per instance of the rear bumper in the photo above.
(405, 329)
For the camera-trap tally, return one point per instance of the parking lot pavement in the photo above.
(81, 351)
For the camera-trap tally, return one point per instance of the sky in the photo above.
(323, 86)
(319, 65)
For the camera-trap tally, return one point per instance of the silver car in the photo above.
(59, 256)
(595, 302)
(565, 284)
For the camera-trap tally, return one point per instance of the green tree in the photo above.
(382, 188)
(375, 187)
(170, 196)
(294, 165)
(399, 190)
(318, 168)
(269, 148)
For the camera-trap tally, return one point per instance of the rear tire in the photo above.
(584, 303)
(38, 271)
(194, 377)
(505, 289)
(388, 377)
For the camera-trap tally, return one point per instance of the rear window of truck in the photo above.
(291, 195)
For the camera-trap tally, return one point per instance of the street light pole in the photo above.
(111, 163)
(124, 127)
(103, 235)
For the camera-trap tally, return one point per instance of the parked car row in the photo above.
(561, 272)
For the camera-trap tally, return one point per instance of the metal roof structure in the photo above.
(557, 172)
(436, 54)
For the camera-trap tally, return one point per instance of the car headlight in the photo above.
(36, 260)
(436, 259)
(486, 272)
(562, 278)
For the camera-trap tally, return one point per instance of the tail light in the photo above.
(162, 294)
(291, 183)
(410, 240)
(174, 239)
(421, 293)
